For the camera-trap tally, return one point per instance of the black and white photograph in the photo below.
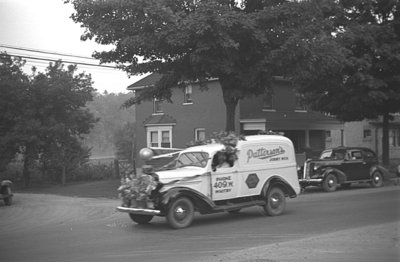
(200, 130)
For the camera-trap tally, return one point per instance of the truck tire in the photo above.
(180, 213)
(330, 183)
(141, 219)
(276, 202)
(377, 179)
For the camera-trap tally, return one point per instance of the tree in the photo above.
(45, 114)
(350, 67)
(13, 91)
(124, 142)
(185, 41)
(58, 102)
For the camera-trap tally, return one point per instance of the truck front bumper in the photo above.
(139, 211)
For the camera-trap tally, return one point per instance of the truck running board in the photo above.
(235, 206)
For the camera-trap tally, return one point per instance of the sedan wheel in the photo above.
(330, 183)
(377, 180)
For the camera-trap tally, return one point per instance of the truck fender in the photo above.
(201, 202)
(342, 178)
(280, 182)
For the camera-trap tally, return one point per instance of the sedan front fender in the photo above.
(341, 176)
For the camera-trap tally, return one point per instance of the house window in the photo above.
(157, 106)
(367, 134)
(328, 135)
(153, 139)
(394, 137)
(199, 134)
(165, 139)
(188, 98)
(299, 103)
(268, 102)
(159, 136)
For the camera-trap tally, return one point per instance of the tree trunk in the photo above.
(385, 139)
(231, 102)
(230, 115)
(25, 172)
(63, 175)
(27, 161)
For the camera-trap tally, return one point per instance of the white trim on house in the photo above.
(253, 124)
(196, 134)
(159, 129)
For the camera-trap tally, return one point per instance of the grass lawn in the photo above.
(102, 188)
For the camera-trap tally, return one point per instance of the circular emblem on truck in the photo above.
(252, 180)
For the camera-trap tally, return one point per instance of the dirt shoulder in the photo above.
(370, 243)
(92, 189)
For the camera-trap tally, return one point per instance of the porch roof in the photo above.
(159, 120)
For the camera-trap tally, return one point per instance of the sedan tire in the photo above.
(377, 179)
(330, 183)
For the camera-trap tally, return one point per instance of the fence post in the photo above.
(116, 168)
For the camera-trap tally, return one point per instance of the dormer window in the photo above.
(157, 106)
(188, 95)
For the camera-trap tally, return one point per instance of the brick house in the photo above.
(192, 116)
(195, 114)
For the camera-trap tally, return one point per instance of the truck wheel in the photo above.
(141, 219)
(330, 183)
(276, 202)
(377, 180)
(8, 200)
(180, 213)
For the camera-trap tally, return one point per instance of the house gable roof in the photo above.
(150, 81)
(147, 81)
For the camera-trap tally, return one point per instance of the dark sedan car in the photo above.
(342, 166)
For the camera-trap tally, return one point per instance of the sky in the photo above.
(46, 25)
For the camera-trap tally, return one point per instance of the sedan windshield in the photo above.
(198, 159)
(333, 155)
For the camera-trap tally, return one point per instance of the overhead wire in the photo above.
(53, 53)
(44, 51)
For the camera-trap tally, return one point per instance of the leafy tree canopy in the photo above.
(44, 114)
(189, 41)
(352, 70)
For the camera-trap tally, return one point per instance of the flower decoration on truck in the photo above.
(136, 191)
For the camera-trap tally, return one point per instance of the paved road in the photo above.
(55, 228)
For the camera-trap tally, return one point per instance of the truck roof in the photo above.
(212, 148)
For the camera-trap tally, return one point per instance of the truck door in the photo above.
(224, 181)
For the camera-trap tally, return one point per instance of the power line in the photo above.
(44, 51)
(64, 61)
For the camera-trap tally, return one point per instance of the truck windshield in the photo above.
(198, 159)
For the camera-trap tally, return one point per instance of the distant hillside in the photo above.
(107, 107)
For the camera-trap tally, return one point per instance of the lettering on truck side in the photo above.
(223, 184)
(263, 153)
